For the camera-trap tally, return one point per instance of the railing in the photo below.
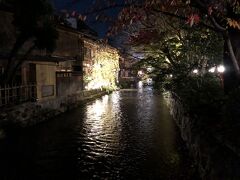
(13, 95)
(128, 78)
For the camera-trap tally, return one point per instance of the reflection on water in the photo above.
(125, 135)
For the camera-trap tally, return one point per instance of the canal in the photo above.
(125, 135)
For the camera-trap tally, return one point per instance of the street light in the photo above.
(140, 73)
(212, 70)
(220, 68)
(195, 71)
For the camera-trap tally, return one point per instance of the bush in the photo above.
(201, 95)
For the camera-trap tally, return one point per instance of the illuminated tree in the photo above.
(105, 68)
(177, 54)
(219, 16)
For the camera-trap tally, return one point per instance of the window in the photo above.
(64, 74)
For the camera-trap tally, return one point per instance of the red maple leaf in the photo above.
(196, 18)
(193, 19)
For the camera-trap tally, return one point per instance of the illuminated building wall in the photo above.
(100, 66)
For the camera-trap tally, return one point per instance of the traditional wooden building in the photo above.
(128, 77)
(79, 62)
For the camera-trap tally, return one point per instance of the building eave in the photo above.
(4, 57)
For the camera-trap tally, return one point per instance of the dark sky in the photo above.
(82, 6)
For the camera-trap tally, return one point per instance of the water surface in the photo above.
(125, 135)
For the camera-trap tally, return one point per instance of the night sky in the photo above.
(82, 6)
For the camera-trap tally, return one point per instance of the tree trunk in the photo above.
(10, 64)
(18, 64)
(231, 60)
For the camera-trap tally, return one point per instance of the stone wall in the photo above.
(215, 159)
(31, 113)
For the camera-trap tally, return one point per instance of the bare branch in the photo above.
(220, 28)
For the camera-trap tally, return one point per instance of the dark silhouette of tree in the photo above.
(34, 25)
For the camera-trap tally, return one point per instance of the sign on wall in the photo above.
(47, 90)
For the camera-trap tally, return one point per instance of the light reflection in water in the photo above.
(94, 115)
(110, 136)
(101, 127)
(125, 135)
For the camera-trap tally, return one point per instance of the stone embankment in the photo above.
(31, 113)
(216, 156)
